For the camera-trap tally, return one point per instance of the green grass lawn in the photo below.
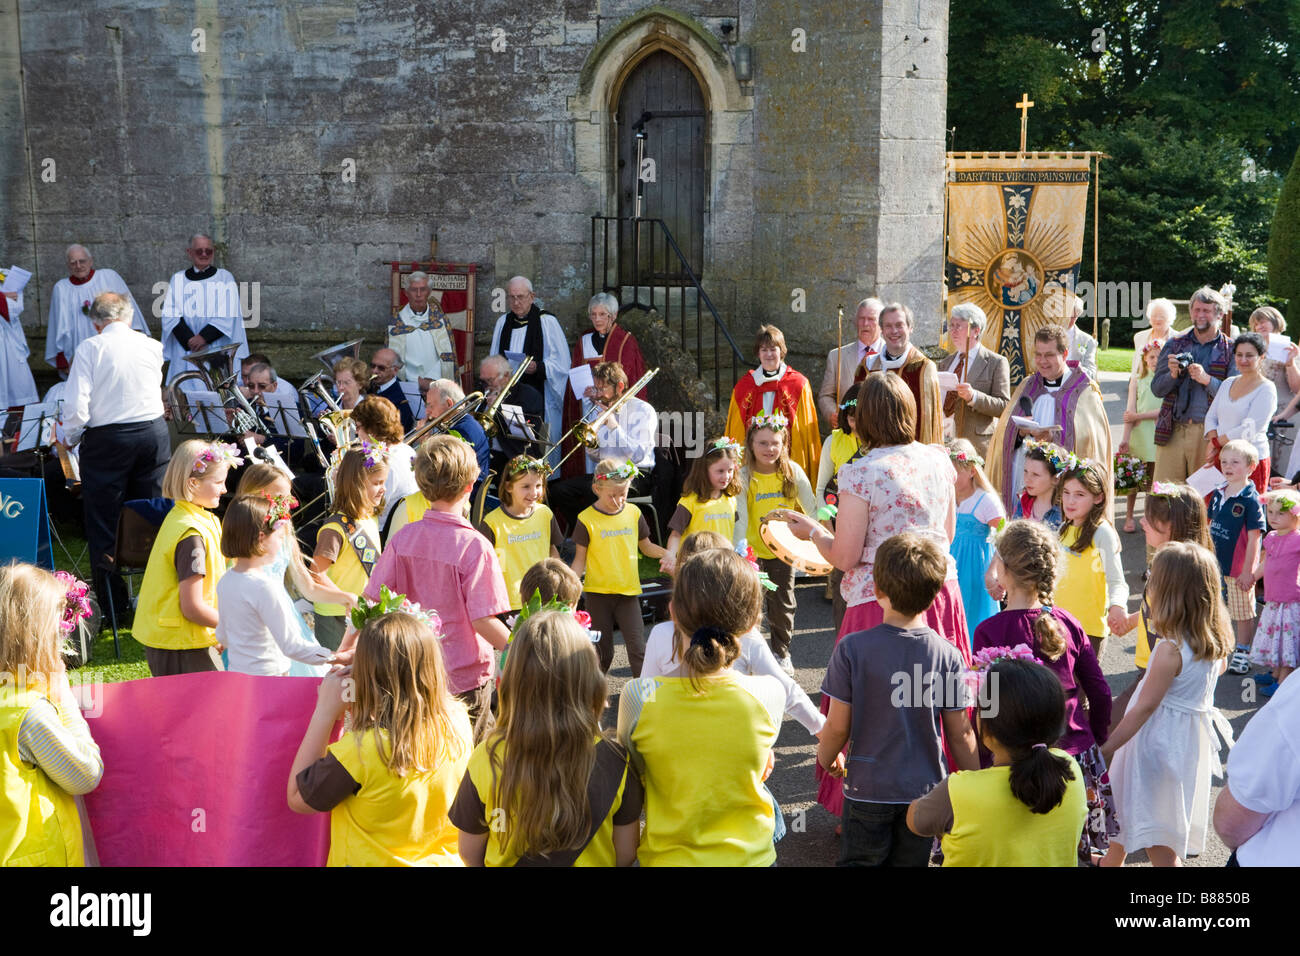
(1114, 360)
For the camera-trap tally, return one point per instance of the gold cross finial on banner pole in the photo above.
(1024, 105)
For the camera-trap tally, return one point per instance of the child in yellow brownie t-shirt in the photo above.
(523, 531)
(708, 501)
(770, 481)
(607, 537)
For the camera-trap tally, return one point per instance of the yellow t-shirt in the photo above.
(843, 447)
(598, 852)
(764, 495)
(396, 821)
(702, 755)
(612, 551)
(158, 619)
(716, 514)
(1081, 584)
(992, 828)
(1142, 652)
(39, 823)
(519, 543)
(348, 573)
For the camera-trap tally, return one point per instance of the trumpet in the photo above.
(586, 431)
(437, 426)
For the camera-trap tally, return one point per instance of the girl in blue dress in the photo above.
(979, 515)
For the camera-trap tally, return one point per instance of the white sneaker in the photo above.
(787, 665)
(1240, 662)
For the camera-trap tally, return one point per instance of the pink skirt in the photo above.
(946, 616)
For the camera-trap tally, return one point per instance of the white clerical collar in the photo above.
(417, 315)
(760, 378)
(891, 363)
(1065, 377)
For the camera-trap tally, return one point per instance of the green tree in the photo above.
(1284, 239)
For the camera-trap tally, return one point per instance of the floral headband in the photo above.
(1285, 499)
(534, 604)
(76, 606)
(281, 506)
(375, 452)
(849, 403)
(522, 463)
(391, 603)
(1163, 489)
(1056, 456)
(963, 458)
(773, 420)
(218, 453)
(624, 472)
(725, 444)
(985, 659)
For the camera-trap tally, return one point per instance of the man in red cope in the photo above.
(774, 386)
(905, 360)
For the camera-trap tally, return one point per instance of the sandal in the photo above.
(1130, 526)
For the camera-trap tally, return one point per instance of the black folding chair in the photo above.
(137, 529)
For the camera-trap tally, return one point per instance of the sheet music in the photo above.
(516, 424)
(286, 419)
(15, 279)
(207, 411)
(38, 425)
(414, 398)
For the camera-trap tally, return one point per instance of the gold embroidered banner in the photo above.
(1014, 244)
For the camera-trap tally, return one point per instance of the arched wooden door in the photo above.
(662, 97)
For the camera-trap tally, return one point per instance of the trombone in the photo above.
(443, 422)
(488, 416)
(585, 431)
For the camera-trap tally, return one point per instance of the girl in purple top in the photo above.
(1024, 572)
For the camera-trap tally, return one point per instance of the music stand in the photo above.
(37, 431)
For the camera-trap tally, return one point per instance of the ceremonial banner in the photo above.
(196, 769)
(1015, 242)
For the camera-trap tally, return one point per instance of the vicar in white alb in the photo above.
(17, 387)
(529, 331)
(421, 337)
(70, 323)
(201, 309)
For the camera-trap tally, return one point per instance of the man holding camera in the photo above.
(1191, 368)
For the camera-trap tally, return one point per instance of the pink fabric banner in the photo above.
(195, 771)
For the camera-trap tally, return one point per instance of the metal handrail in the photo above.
(686, 275)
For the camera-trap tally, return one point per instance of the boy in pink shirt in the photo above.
(441, 563)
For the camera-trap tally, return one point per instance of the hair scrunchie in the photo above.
(709, 635)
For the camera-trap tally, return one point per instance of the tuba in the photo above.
(214, 368)
(337, 423)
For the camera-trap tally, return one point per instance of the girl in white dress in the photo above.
(1163, 752)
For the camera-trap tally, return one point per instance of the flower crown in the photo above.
(985, 659)
(522, 463)
(1285, 499)
(849, 403)
(624, 472)
(964, 458)
(375, 452)
(1056, 456)
(773, 420)
(390, 603)
(217, 453)
(76, 606)
(1163, 489)
(281, 506)
(725, 444)
(534, 604)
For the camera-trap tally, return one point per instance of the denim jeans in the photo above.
(876, 834)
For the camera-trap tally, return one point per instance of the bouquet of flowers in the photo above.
(1129, 473)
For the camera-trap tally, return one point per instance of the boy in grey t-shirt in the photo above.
(892, 688)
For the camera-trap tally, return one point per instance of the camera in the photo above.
(1184, 359)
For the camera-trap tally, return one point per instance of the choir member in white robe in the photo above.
(529, 331)
(201, 310)
(17, 387)
(421, 336)
(70, 323)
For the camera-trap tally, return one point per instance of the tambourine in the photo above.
(800, 555)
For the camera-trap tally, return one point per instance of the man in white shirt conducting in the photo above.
(630, 434)
(113, 408)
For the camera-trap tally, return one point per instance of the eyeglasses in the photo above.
(204, 252)
(381, 368)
